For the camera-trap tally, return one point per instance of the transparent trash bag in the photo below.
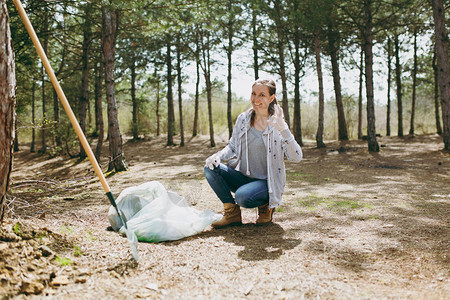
(157, 215)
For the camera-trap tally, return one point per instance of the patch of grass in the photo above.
(341, 204)
(66, 229)
(77, 251)
(91, 236)
(279, 209)
(17, 228)
(63, 261)
(312, 202)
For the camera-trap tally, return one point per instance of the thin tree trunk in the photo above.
(56, 118)
(388, 113)
(413, 101)
(209, 93)
(170, 109)
(436, 96)
(443, 67)
(99, 110)
(333, 47)
(84, 97)
(180, 90)
(297, 111)
(255, 44)
(229, 57)
(197, 84)
(44, 108)
(33, 117)
(7, 105)
(360, 96)
(158, 100)
(283, 79)
(16, 136)
(319, 135)
(368, 36)
(117, 158)
(134, 101)
(398, 79)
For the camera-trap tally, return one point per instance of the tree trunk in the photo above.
(33, 117)
(436, 96)
(16, 136)
(170, 109)
(134, 101)
(297, 111)
(368, 37)
(443, 67)
(56, 118)
(209, 92)
(7, 105)
(229, 54)
(99, 110)
(180, 90)
(197, 84)
(360, 104)
(333, 47)
(319, 135)
(44, 109)
(158, 100)
(413, 101)
(84, 98)
(109, 29)
(283, 77)
(255, 44)
(388, 113)
(398, 80)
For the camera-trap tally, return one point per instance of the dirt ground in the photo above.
(352, 225)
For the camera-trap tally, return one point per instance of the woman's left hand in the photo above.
(277, 119)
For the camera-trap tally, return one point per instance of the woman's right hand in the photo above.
(213, 161)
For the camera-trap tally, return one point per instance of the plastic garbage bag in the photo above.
(155, 214)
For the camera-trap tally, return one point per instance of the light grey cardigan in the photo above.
(279, 145)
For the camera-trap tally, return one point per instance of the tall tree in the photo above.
(443, 66)
(398, 80)
(388, 112)
(170, 106)
(84, 97)
(333, 48)
(319, 135)
(437, 116)
(109, 31)
(7, 104)
(360, 92)
(180, 88)
(414, 77)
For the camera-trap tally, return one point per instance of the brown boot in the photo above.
(232, 216)
(264, 214)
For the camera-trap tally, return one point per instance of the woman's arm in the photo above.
(291, 149)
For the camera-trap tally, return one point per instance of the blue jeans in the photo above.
(248, 192)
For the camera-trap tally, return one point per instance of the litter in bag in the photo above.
(155, 214)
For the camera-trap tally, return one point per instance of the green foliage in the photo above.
(63, 261)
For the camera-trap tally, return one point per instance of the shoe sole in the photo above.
(228, 225)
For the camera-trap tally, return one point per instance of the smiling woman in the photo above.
(255, 172)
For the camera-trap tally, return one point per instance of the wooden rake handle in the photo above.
(61, 96)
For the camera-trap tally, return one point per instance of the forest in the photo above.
(365, 89)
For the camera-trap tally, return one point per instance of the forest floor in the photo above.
(352, 225)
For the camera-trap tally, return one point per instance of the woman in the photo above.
(256, 174)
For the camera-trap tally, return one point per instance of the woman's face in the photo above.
(261, 98)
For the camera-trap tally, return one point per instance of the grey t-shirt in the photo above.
(257, 159)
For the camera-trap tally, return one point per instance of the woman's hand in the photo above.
(213, 161)
(277, 119)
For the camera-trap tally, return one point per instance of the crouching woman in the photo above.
(255, 173)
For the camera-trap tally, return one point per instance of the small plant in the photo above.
(279, 209)
(17, 228)
(66, 229)
(63, 261)
(77, 251)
